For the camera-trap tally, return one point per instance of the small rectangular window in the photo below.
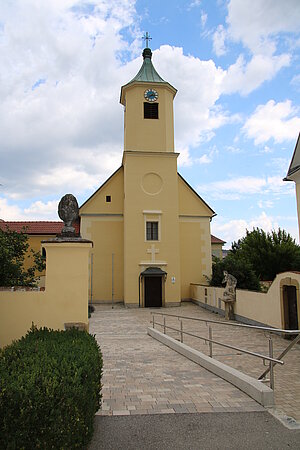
(150, 110)
(108, 199)
(152, 231)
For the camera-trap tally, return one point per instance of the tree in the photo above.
(268, 253)
(259, 256)
(237, 266)
(14, 248)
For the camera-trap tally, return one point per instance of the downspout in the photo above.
(139, 291)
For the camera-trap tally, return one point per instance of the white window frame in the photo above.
(152, 216)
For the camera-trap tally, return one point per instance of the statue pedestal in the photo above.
(229, 309)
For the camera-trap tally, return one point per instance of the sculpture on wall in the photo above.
(68, 212)
(229, 295)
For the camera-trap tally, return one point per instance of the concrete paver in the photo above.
(142, 376)
(287, 377)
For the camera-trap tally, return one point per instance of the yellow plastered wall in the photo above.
(102, 223)
(160, 204)
(298, 204)
(266, 308)
(195, 253)
(216, 250)
(155, 135)
(35, 243)
(65, 299)
(195, 238)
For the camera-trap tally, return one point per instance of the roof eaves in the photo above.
(293, 170)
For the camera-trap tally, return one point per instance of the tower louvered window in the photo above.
(150, 110)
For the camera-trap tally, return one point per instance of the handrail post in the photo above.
(271, 363)
(209, 342)
(181, 331)
(164, 325)
(153, 320)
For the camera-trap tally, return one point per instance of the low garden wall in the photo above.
(250, 307)
(63, 302)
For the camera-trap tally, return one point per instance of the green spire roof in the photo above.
(147, 72)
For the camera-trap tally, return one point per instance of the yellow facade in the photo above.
(146, 134)
(146, 218)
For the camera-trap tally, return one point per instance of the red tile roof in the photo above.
(215, 240)
(41, 227)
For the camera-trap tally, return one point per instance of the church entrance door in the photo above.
(153, 291)
(290, 308)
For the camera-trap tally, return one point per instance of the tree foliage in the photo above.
(14, 249)
(269, 253)
(259, 256)
(239, 267)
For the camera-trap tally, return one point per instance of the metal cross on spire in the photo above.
(147, 38)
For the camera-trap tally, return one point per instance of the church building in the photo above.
(150, 229)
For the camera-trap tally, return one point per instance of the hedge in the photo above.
(50, 390)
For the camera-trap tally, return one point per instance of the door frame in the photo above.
(287, 282)
(152, 272)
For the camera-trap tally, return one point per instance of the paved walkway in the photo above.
(142, 376)
(287, 377)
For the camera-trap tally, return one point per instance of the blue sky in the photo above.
(235, 64)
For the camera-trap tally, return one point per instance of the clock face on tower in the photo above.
(151, 95)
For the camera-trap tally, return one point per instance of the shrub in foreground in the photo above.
(50, 383)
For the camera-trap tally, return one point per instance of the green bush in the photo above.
(50, 383)
(237, 266)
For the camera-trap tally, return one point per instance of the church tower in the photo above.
(148, 106)
(151, 229)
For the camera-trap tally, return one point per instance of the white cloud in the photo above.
(42, 211)
(236, 188)
(259, 25)
(204, 159)
(185, 158)
(255, 23)
(36, 211)
(66, 132)
(203, 18)
(219, 40)
(196, 115)
(276, 121)
(195, 3)
(232, 230)
(296, 81)
(262, 204)
(245, 77)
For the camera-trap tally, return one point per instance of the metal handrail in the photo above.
(248, 352)
(242, 325)
(282, 354)
(272, 361)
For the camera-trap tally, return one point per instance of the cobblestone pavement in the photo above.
(142, 376)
